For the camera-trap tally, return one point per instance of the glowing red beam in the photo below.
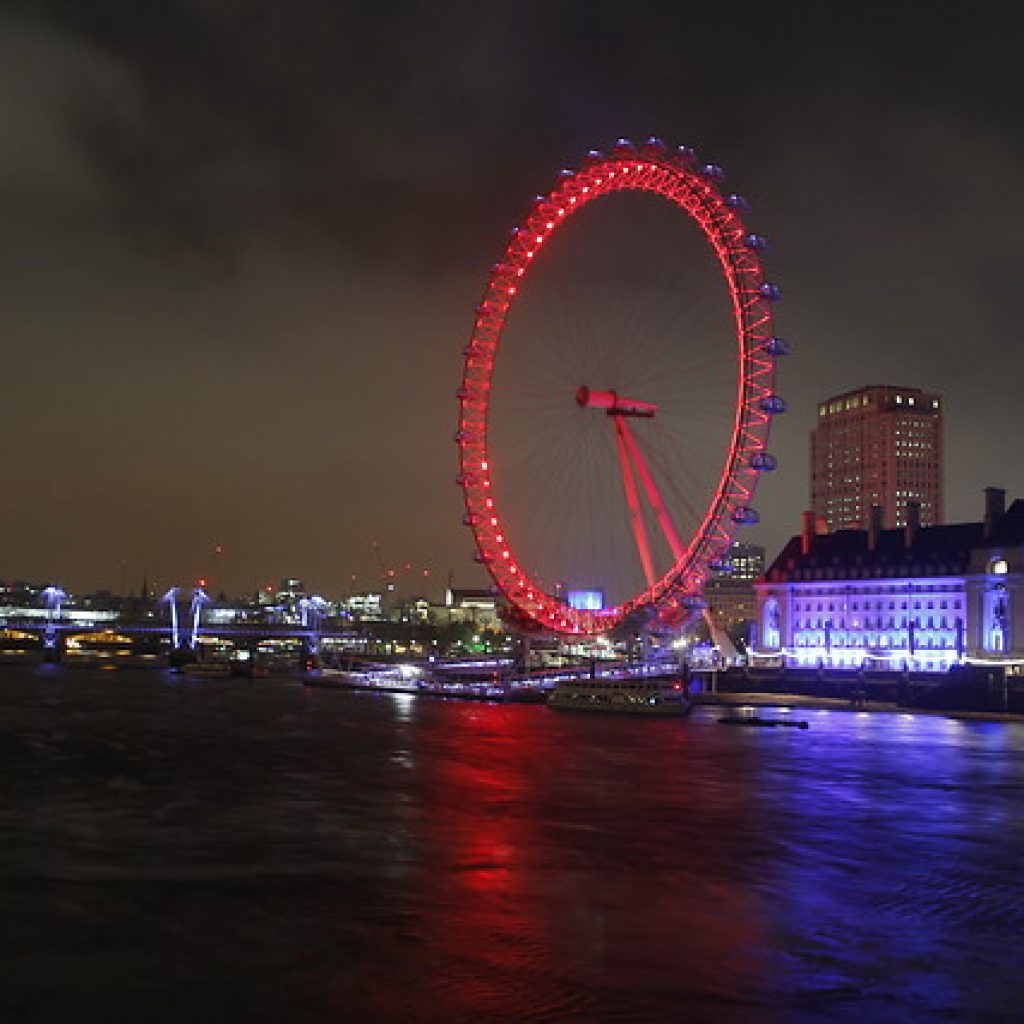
(651, 488)
(633, 500)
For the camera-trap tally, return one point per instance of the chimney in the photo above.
(913, 522)
(995, 506)
(807, 533)
(875, 525)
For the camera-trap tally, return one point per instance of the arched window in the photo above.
(770, 623)
(996, 619)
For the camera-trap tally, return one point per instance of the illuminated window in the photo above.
(998, 567)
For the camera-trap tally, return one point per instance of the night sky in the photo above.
(242, 243)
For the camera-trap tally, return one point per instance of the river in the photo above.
(240, 850)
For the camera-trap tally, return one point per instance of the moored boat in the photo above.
(755, 722)
(390, 679)
(631, 696)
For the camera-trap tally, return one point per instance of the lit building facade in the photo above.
(877, 446)
(745, 561)
(477, 607)
(730, 595)
(365, 607)
(918, 598)
(730, 603)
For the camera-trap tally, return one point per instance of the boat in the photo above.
(390, 679)
(769, 723)
(629, 696)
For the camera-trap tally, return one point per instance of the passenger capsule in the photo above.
(735, 202)
(712, 171)
(471, 519)
(772, 404)
(746, 516)
(686, 153)
(763, 462)
(757, 243)
(771, 292)
(720, 565)
(777, 347)
(566, 172)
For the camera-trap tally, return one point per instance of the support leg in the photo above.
(633, 500)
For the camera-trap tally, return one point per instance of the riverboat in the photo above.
(630, 696)
(389, 679)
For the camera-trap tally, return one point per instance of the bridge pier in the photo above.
(178, 656)
(309, 658)
(53, 647)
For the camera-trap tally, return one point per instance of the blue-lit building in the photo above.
(918, 598)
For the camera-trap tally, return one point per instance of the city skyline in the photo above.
(238, 284)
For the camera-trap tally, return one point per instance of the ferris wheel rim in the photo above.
(676, 176)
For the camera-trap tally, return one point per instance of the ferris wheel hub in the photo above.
(613, 403)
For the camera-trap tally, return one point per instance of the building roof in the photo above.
(877, 387)
(937, 550)
(460, 595)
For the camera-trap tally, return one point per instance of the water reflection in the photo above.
(269, 852)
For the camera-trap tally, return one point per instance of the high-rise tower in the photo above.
(882, 446)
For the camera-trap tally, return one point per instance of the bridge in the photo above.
(59, 641)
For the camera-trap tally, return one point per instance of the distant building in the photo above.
(479, 607)
(730, 603)
(290, 591)
(414, 610)
(882, 446)
(745, 561)
(365, 607)
(730, 597)
(13, 614)
(918, 598)
(24, 603)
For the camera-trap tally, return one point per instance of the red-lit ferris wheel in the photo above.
(571, 404)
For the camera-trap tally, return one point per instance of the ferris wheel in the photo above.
(618, 391)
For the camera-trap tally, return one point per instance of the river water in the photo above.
(238, 850)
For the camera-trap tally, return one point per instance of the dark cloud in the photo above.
(243, 241)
